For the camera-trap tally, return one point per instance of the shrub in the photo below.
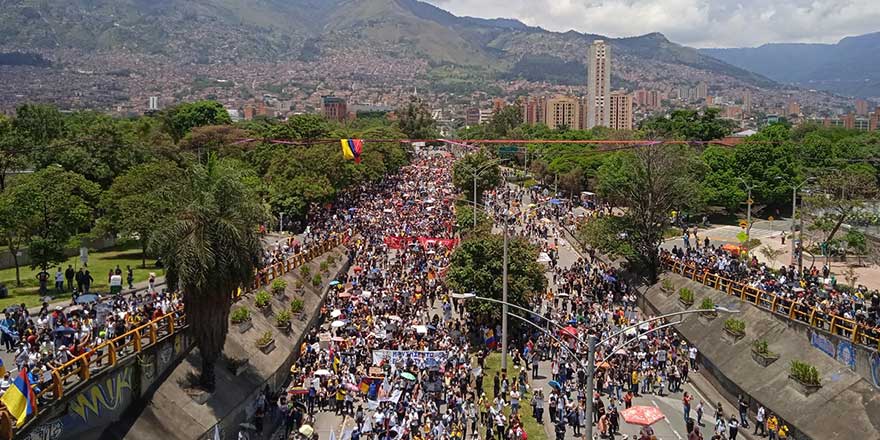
(278, 285)
(805, 373)
(299, 284)
(265, 339)
(735, 326)
(304, 271)
(317, 280)
(296, 305)
(667, 285)
(686, 295)
(761, 347)
(262, 299)
(282, 318)
(240, 315)
(325, 267)
(707, 304)
(331, 259)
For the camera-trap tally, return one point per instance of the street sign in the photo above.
(508, 149)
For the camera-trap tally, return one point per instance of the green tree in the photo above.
(209, 246)
(476, 266)
(415, 120)
(55, 204)
(572, 182)
(39, 124)
(650, 182)
(180, 119)
(691, 125)
(841, 193)
(489, 175)
(770, 162)
(138, 201)
(13, 150)
(720, 184)
(303, 127)
(464, 220)
(604, 234)
(504, 121)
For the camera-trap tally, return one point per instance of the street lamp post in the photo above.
(748, 210)
(476, 173)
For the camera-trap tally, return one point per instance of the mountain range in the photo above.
(214, 32)
(850, 67)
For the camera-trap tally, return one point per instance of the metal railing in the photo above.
(77, 371)
(811, 316)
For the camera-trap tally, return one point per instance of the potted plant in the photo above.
(708, 304)
(296, 307)
(734, 330)
(805, 377)
(261, 300)
(282, 320)
(242, 318)
(304, 271)
(761, 353)
(325, 267)
(666, 286)
(279, 286)
(686, 297)
(331, 259)
(237, 366)
(317, 280)
(266, 343)
(299, 287)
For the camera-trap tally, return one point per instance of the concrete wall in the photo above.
(846, 407)
(172, 414)
(85, 413)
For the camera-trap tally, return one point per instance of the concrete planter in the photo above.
(764, 360)
(284, 328)
(267, 310)
(803, 388)
(731, 337)
(245, 326)
(684, 304)
(267, 348)
(199, 396)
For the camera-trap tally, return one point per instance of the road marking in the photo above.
(667, 421)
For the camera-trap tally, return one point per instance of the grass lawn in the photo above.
(100, 264)
(493, 364)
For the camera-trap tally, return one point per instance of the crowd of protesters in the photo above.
(812, 288)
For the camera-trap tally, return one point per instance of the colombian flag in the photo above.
(490, 339)
(20, 399)
(351, 149)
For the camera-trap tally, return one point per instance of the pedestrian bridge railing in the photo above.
(812, 316)
(66, 378)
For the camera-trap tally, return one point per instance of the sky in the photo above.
(695, 23)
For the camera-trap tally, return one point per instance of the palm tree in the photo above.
(210, 248)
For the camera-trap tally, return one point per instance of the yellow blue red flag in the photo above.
(20, 399)
(351, 149)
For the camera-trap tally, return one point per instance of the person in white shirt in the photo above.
(759, 421)
(5, 383)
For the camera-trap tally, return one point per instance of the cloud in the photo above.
(698, 23)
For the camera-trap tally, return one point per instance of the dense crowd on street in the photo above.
(806, 290)
(401, 359)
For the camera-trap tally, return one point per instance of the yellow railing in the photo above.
(838, 325)
(106, 355)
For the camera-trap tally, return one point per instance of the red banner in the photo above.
(426, 242)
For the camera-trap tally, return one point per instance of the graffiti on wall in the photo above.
(823, 343)
(846, 354)
(103, 397)
(875, 369)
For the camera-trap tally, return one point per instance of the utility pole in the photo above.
(281, 222)
(504, 285)
(474, 212)
(591, 366)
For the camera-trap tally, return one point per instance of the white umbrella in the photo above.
(335, 313)
(322, 372)
(394, 317)
(543, 258)
(421, 329)
(306, 430)
(366, 294)
(562, 295)
(337, 324)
